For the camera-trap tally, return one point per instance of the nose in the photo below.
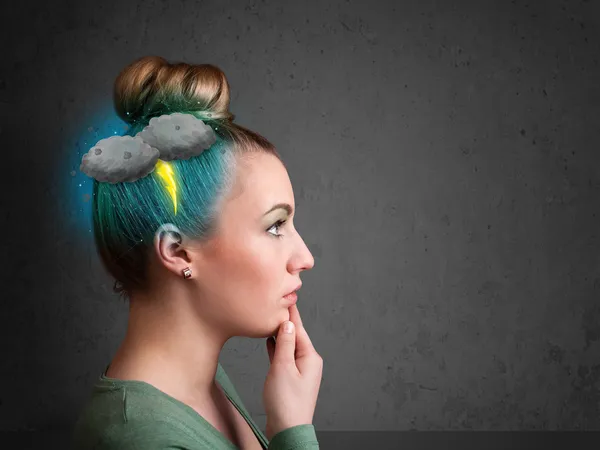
(303, 258)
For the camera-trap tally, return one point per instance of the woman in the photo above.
(193, 217)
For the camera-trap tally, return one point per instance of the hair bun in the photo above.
(151, 86)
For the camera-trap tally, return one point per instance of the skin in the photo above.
(178, 328)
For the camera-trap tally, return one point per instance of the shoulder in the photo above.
(133, 417)
(147, 433)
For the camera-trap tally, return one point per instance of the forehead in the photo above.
(261, 181)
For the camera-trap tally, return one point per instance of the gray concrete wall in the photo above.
(444, 157)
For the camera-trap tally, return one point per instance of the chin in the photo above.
(272, 327)
(262, 334)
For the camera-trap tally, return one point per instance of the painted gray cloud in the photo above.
(119, 158)
(178, 136)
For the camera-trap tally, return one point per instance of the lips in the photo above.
(295, 289)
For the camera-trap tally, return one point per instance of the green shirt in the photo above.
(129, 415)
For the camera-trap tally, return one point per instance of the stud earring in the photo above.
(187, 273)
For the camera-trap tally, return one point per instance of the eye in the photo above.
(277, 225)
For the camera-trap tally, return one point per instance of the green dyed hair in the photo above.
(127, 215)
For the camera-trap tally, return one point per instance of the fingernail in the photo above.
(288, 327)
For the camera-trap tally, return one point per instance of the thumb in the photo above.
(286, 343)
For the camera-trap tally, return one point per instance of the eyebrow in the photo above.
(285, 206)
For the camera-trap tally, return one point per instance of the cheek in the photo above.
(256, 270)
(248, 272)
(250, 284)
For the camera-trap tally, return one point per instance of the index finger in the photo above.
(303, 343)
(295, 316)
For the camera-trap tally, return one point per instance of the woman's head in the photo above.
(240, 267)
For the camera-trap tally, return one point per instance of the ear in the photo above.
(169, 251)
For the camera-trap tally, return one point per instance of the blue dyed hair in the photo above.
(127, 215)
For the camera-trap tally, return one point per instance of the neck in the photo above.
(168, 346)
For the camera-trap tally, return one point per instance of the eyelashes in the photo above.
(278, 225)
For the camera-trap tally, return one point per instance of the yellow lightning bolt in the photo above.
(165, 171)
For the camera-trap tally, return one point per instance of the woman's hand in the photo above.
(294, 378)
